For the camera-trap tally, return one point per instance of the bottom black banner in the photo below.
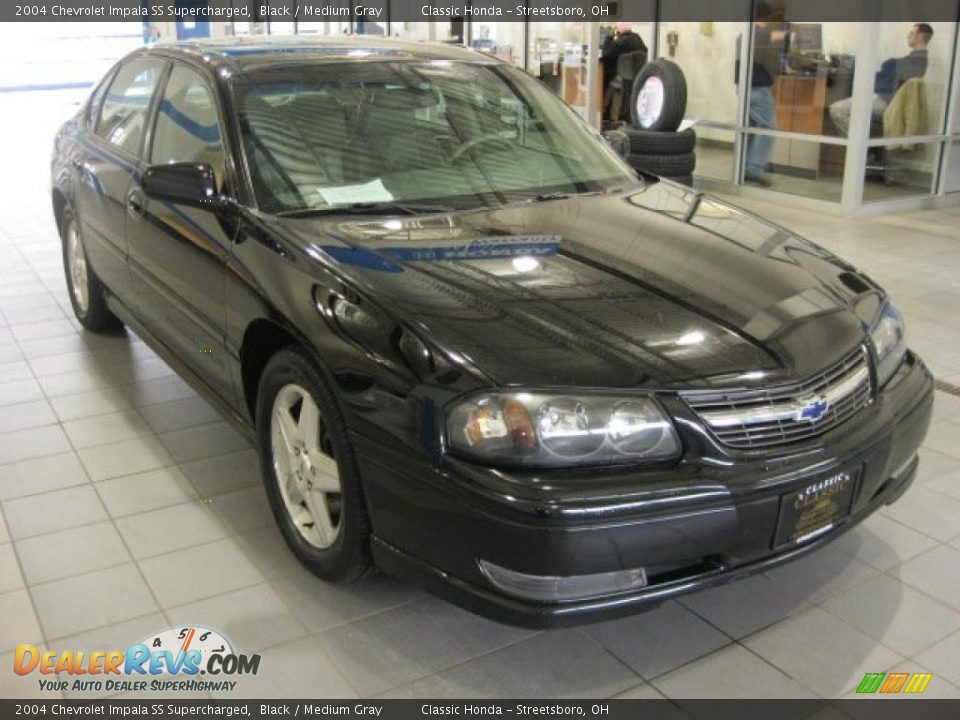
(876, 708)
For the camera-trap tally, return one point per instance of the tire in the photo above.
(681, 179)
(659, 97)
(669, 165)
(338, 548)
(647, 142)
(85, 289)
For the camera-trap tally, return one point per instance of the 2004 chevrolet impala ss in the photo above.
(472, 346)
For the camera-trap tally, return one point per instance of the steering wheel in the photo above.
(488, 139)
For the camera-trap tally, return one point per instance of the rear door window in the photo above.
(123, 114)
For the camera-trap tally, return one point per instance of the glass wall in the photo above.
(772, 100)
(708, 53)
(801, 78)
(911, 84)
(557, 53)
(501, 39)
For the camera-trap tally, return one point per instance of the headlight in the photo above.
(889, 342)
(546, 430)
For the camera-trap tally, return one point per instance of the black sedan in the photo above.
(473, 347)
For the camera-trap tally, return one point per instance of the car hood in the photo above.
(657, 287)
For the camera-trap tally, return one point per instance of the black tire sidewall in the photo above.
(348, 557)
(680, 164)
(650, 142)
(674, 95)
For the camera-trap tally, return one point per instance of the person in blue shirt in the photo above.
(893, 73)
(768, 49)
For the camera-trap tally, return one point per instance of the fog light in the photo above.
(550, 588)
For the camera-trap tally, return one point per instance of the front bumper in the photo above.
(708, 520)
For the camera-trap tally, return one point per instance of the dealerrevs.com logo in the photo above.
(168, 661)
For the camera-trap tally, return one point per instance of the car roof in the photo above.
(261, 52)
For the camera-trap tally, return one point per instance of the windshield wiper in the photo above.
(369, 208)
(544, 197)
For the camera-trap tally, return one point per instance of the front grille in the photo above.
(786, 414)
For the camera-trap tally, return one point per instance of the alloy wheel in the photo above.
(305, 467)
(77, 267)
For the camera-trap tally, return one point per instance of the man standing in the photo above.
(893, 73)
(625, 41)
(767, 53)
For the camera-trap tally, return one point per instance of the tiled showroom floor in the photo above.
(128, 506)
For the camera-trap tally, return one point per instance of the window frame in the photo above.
(149, 146)
(230, 184)
(164, 69)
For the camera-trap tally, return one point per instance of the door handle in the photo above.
(135, 204)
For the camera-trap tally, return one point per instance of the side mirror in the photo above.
(185, 183)
(619, 141)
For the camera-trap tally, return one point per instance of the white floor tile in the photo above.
(22, 416)
(298, 669)
(659, 640)
(106, 429)
(943, 658)
(124, 458)
(150, 490)
(411, 642)
(92, 600)
(223, 474)
(895, 614)
(10, 576)
(170, 528)
(244, 510)
(71, 552)
(203, 441)
(53, 511)
(199, 572)
(89, 404)
(822, 652)
(559, 664)
(323, 605)
(927, 511)
(179, 414)
(22, 687)
(935, 572)
(253, 618)
(35, 442)
(18, 621)
(883, 543)
(32, 477)
(730, 673)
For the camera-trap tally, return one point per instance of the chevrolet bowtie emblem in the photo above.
(812, 409)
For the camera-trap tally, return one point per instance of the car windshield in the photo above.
(414, 136)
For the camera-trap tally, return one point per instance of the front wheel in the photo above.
(309, 469)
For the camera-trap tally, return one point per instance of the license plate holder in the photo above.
(816, 508)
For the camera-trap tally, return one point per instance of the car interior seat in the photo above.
(390, 135)
(298, 146)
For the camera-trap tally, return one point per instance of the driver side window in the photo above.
(187, 127)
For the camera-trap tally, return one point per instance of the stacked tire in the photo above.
(657, 106)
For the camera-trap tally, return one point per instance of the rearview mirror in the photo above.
(185, 183)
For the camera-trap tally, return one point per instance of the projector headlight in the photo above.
(888, 337)
(547, 430)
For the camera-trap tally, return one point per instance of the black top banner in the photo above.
(478, 10)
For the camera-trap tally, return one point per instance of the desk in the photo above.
(575, 87)
(801, 103)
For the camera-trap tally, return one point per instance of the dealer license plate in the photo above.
(815, 509)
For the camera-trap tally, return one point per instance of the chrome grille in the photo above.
(786, 414)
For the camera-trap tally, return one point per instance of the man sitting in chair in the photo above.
(893, 73)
